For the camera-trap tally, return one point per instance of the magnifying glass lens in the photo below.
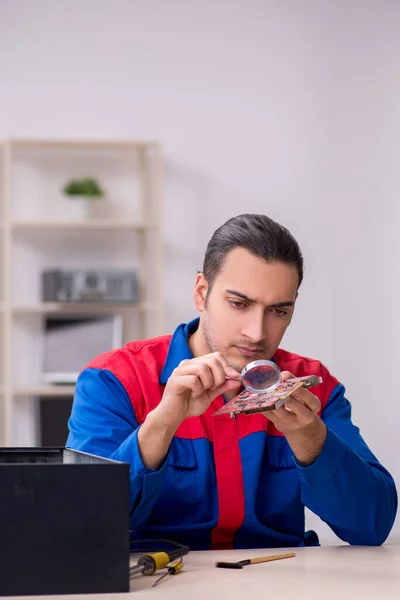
(261, 376)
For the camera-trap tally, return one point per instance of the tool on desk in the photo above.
(151, 562)
(173, 569)
(252, 561)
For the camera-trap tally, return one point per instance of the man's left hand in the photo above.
(300, 424)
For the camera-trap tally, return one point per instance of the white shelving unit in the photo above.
(43, 227)
(40, 229)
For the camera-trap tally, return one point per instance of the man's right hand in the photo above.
(193, 385)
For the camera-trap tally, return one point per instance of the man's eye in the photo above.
(279, 312)
(237, 304)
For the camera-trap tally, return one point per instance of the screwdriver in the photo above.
(148, 564)
(253, 561)
(173, 569)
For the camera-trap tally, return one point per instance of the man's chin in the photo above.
(238, 361)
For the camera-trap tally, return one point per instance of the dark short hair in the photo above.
(258, 234)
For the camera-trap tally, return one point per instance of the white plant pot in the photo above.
(82, 208)
(79, 208)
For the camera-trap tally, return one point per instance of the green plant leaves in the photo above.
(83, 187)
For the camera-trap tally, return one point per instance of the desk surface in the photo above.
(324, 573)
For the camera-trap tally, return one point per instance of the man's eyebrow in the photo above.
(276, 305)
(282, 304)
(240, 295)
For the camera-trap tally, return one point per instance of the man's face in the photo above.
(249, 307)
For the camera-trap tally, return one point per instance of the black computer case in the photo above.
(64, 523)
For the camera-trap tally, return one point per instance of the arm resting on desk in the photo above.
(103, 423)
(346, 486)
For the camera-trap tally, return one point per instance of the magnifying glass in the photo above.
(260, 376)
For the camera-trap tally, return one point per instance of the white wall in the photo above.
(291, 108)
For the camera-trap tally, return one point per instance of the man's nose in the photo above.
(254, 328)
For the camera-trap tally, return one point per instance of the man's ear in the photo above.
(200, 292)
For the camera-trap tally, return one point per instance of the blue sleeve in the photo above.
(346, 486)
(103, 423)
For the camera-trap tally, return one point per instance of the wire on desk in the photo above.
(173, 569)
(158, 548)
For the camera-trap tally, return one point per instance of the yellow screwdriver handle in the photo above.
(154, 561)
(161, 559)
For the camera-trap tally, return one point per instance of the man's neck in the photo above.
(197, 343)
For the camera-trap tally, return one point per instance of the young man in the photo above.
(216, 482)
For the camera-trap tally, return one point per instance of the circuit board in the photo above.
(250, 402)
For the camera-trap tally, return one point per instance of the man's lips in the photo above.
(248, 351)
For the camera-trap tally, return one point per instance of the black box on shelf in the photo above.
(64, 523)
(90, 285)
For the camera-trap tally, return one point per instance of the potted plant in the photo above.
(82, 193)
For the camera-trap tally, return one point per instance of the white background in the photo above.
(287, 107)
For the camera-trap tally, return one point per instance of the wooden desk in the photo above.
(325, 573)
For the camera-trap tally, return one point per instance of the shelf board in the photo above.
(60, 391)
(48, 308)
(44, 226)
(43, 144)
